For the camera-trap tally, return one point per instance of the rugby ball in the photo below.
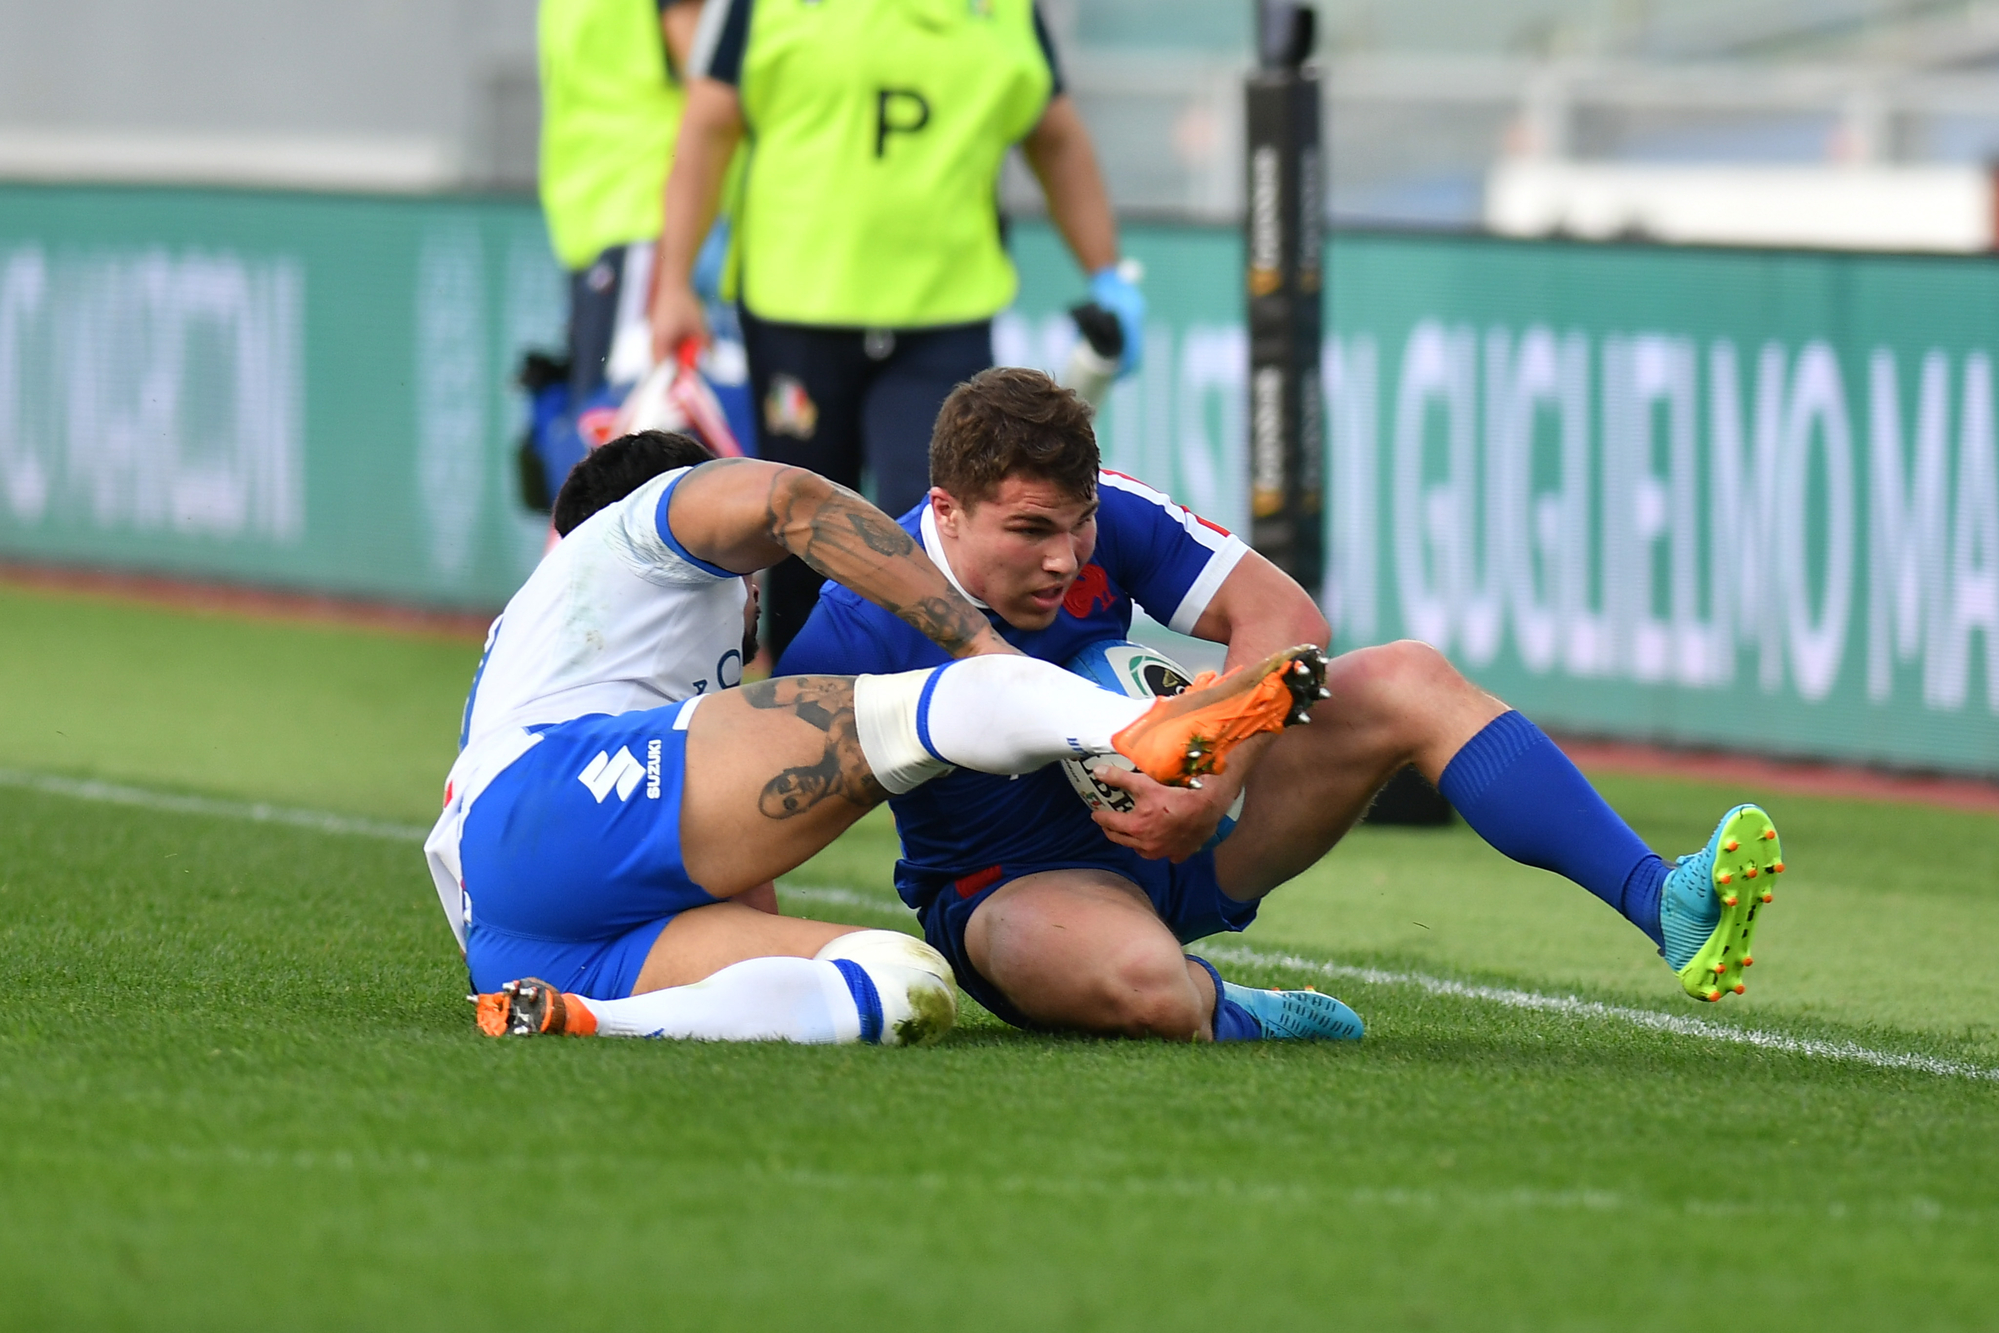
(1138, 672)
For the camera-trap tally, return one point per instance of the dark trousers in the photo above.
(593, 320)
(832, 399)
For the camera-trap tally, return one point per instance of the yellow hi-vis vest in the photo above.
(876, 132)
(609, 114)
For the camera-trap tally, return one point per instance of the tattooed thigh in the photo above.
(827, 705)
(816, 700)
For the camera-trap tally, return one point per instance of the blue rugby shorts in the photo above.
(571, 856)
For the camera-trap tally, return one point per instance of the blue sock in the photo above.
(1520, 793)
(1232, 1021)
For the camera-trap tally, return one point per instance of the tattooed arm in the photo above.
(744, 514)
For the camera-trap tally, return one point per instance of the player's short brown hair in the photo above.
(1010, 421)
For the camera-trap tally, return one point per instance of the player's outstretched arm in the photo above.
(744, 514)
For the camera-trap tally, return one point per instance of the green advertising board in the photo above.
(1728, 497)
(302, 391)
(1747, 499)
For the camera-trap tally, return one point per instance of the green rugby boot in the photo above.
(1711, 900)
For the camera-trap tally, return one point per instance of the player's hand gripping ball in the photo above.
(1138, 672)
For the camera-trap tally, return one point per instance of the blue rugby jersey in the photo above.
(954, 828)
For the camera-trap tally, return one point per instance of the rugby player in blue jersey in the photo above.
(1053, 917)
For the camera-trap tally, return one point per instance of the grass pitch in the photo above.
(239, 1088)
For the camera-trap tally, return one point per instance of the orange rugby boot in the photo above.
(533, 1008)
(1191, 733)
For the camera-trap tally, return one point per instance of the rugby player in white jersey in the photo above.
(618, 812)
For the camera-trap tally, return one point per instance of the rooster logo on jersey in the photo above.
(1090, 592)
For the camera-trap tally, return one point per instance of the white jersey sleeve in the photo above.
(639, 532)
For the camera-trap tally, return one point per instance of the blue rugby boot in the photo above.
(1296, 1015)
(1710, 901)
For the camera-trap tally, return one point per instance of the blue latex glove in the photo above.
(1109, 289)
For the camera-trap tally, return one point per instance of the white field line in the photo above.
(1677, 1024)
(256, 811)
(326, 822)
(845, 898)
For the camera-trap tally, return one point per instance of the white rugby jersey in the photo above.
(618, 617)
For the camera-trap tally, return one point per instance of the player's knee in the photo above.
(1403, 678)
(1148, 993)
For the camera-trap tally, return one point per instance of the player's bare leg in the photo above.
(1084, 950)
(1392, 705)
(702, 941)
(776, 772)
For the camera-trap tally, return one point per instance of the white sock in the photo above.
(1006, 714)
(885, 721)
(759, 999)
(914, 985)
(994, 713)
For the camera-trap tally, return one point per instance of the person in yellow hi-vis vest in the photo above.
(868, 256)
(612, 89)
